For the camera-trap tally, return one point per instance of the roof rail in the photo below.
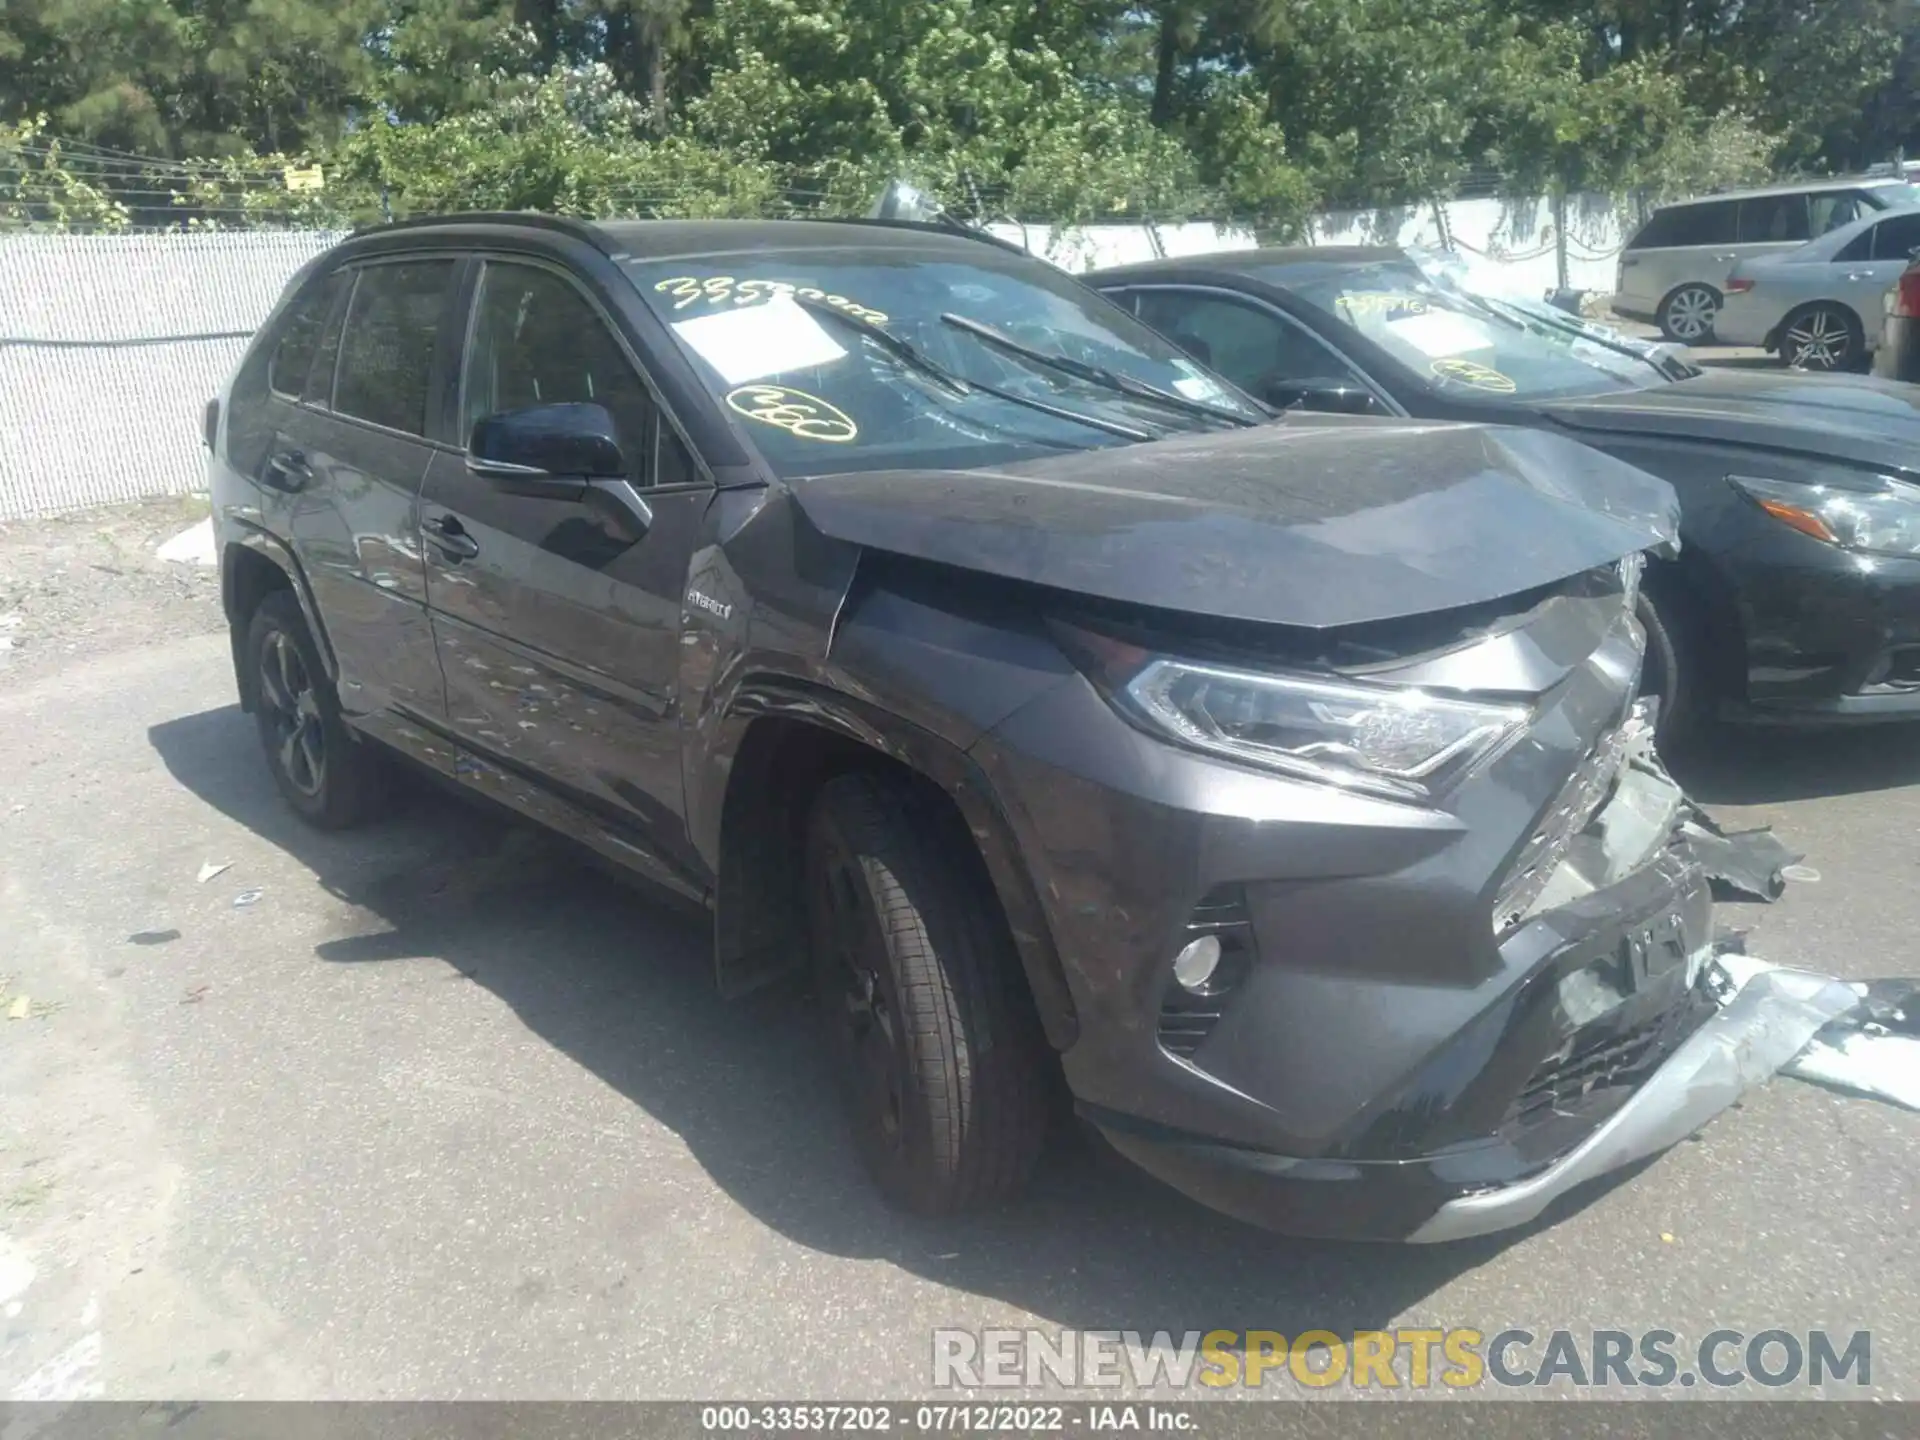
(585, 230)
(562, 224)
(925, 227)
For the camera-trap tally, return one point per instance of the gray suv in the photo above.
(1275, 790)
(1672, 270)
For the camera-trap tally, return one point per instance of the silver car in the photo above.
(1672, 269)
(1819, 307)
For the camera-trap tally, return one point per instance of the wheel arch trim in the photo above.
(741, 934)
(256, 540)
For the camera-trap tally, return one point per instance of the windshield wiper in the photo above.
(1097, 374)
(900, 349)
(909, 355)
(1575, 329)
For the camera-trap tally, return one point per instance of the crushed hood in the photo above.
(1312, 521)
(1854, 418)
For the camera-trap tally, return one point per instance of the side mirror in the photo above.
(1336, 397)
(901, 201)
(549, 452)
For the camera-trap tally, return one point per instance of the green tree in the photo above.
(186, 77)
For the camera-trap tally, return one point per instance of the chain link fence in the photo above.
(110, 346)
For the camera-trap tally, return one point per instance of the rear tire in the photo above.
(1686, 316)
(1824, 337)
(925, 1004)
(328, 776)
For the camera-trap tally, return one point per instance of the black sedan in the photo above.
(1796, 593)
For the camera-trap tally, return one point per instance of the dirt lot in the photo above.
(74, 586)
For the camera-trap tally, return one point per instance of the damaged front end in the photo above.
(1608, 915)
(1652, 1034)
(1436, 1039)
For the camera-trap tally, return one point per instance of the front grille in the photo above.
(1606, 1067)
(1187, 1017)
(1572, 810)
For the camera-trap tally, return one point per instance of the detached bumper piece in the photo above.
(1766, 1023)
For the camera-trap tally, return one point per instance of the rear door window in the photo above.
(1896, 239)
(300, 339)
(1773, 220)
(386, 353)
(1711, 222)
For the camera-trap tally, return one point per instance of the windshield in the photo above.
(824, 393)
(1467, 346)
(1895, 196)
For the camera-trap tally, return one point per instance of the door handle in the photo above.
(450, 538)
(289, 470)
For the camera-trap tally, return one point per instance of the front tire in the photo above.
(1823, 338)
(325, 774)
(1672, 671)
(924, 1001)
(1686, 316)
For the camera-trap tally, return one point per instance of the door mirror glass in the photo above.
(572, 441)
(1338, 397)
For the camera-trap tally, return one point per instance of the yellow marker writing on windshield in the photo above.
(726, 290)
(1472, 372)
(804, 416)
(1376, 302)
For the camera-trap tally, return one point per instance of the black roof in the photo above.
(665, 239)
(1258, 264)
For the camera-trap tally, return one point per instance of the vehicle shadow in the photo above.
(620, 980)
(1751, 765)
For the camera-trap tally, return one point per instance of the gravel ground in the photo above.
(75, 586)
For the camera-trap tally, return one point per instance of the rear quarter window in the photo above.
(299, 340)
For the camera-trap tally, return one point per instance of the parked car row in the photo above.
(1795, 596)
(1024, 666)
(1799, 270)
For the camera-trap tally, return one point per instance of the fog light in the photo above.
(1197, 961)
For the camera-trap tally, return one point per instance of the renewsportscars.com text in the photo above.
(1403, 1359)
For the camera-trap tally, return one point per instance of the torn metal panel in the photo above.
(1616, 815)
(1744, 862)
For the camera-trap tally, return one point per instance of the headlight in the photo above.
(1878, 515)
(1387, 740)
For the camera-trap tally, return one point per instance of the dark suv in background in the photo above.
(947, 631)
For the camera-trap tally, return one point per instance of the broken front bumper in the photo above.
(1611, 1046)
(1765, 1024)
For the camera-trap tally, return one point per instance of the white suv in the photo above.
(1672, 269)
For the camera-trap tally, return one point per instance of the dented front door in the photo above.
(559, 623)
